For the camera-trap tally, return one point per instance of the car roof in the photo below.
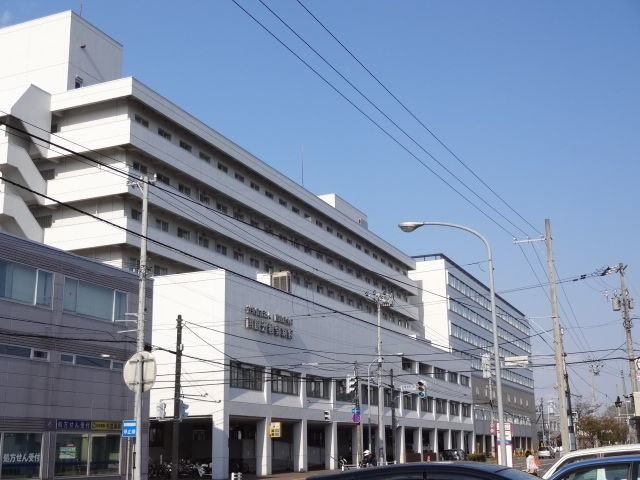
(596, 461)
(631, 448)
(364, 472)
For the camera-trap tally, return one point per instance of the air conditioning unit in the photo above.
(281, 281)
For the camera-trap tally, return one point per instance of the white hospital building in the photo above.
(273, 283)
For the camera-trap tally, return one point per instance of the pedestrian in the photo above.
(369, 459)
(532, 465)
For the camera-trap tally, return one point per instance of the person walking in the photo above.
(531, 465)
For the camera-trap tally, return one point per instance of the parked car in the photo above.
(454, 454)
(587, 453)
(430, 470)
(546, 452)
(606, 468)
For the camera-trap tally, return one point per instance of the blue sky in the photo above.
(539, 99)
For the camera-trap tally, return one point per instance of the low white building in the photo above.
(253, 355)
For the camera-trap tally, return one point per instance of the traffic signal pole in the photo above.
(175, 439)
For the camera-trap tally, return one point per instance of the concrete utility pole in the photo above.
(142, 293)
(359, 439)
(382, 299)
(624, 303)
(566, 423)
(393, 417)
(175, 438)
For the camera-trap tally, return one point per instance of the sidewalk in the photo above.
(288, 475)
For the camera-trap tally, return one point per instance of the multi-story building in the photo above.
(77, 139)
(62, 353)
(457, 317)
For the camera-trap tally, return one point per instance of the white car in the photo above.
(587, 453)
(546, 452)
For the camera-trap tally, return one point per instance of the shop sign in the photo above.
(21, 458)
(269, 323)
(87, 425)
(275, 429)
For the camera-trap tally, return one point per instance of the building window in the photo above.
(410, 402)
(221, 208)
(15, 351)
(163, 179)
(140, 167)
(238, 255)
(426, 404)
(406, 364)
(452, 377)
(221, 249)
(239, 177)
(94, 300)
(283, 381)
(48, 174)
(203, 156)
(282, 202)
(141, 120)
(439, 373)
(184, 234)
(441, 405)
(25, 284)
(254, 262)
(295, 209)
(72, 454)
(78, 83)
(222, 167)
(248, 377)
(268, 194)
(162, 225)
(464, 380)
(454, 408)
(184, 190)
(466, 410)
(318, 387)
(185, 146)
(204, 199)
(25, 446)
(159, 270)
(136, 215)
(255, 186)
(203, 241)
(164, 134)
(341, 391)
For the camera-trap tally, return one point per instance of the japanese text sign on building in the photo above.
(129, 428)
(275, 429)
(270, 323)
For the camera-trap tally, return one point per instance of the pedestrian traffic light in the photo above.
(327, 416)
(183, 410)
(352, 384)
(421, 387)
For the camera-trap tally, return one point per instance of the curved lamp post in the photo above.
(410, 227)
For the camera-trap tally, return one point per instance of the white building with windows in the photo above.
(62, 397)
(272, 280)
(457, 316)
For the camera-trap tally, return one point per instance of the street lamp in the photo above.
(410, 227)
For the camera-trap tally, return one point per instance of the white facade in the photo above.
(457, 317)
(300, 342)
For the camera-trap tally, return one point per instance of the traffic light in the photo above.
(327, 416)
(618, 402)
(352, 384)
(161, 410)
(421, 387)
(183, 410)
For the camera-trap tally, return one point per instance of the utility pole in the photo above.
(359, 439)
(624, 303)
(566, 417)
(175, 439)
(545, 436)
(393, 417)
(381, 299)
(142, 293)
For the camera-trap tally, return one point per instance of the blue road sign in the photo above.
(355, 410)
(128, 428)
(356, 418)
